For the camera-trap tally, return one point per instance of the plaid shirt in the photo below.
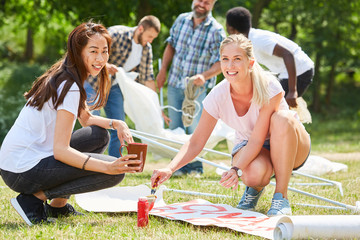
(196, 50)
(120, 51)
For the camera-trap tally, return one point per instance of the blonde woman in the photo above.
(269, 138)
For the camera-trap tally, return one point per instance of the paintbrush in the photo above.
(152, 198)
(154, 187)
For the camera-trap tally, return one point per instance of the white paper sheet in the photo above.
(117, 199)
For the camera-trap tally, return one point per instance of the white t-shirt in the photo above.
(264, 43)
(218, 104)
(134, 57)
(31, 138)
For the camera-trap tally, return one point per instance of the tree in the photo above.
(325, 29)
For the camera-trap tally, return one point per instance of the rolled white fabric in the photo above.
(318, 226)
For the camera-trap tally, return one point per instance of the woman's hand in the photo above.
(229, 179)
(163, 175)
(120, 165)
(123, 132)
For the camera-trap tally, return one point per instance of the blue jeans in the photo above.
(59, 180)
(175, 98)
(114, 109)
(90, 92)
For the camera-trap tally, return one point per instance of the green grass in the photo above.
(336, 130)
(123, 225)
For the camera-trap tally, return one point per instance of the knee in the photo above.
(256, 176)
(253, 180)
(115, 180)
(282, 122)
(101, 134)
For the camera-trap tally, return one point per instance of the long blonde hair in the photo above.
(259, 77)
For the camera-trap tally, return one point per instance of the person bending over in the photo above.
(279, 54)
(269, 137)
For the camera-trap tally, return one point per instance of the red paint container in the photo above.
(143, 212)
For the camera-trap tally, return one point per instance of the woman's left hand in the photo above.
(123, 132)
(229, 179)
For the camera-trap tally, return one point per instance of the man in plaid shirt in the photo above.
(193, 48)
(130, 49)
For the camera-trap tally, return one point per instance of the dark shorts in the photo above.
(266, 146)
(302, 83)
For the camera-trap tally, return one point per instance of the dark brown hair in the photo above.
(150, 21)
(71, 69)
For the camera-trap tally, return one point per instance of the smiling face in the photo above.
(235, 64)
(201, 8)
(95, 54)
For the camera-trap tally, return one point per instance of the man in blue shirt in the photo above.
(193, 48)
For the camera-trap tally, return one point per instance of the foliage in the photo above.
(325, 29)
(15, 80)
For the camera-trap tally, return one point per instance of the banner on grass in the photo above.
(204, 213)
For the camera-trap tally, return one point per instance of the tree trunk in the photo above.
(293, 31)
(29, 49)
(330, 86)
(257, 10)
(316, 82)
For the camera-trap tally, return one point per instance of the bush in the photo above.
(15, 79)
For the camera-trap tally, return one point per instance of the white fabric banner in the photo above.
(205, 213)
(141, 105)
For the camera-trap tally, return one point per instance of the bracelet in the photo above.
(111, 124)
(83, 167)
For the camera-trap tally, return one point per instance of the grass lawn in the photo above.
(123, 225)
(329, 137)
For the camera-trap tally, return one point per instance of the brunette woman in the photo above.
(41, 157)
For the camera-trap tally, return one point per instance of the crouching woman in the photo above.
(269, 138)
(41, 157)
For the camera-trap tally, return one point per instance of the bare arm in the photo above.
(254, 145)
(123, 131)
(291, 69)
(70, 156)
(190, 149)
(166, 60)
(257, 138)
